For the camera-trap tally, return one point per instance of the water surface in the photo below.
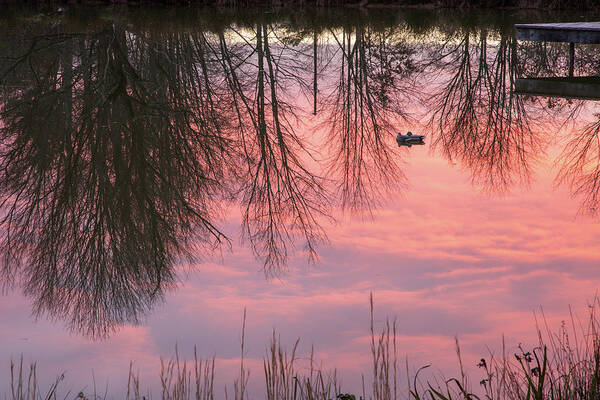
(161, 170)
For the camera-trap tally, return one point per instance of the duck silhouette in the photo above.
(409, 139)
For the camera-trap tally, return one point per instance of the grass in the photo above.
(564, 365)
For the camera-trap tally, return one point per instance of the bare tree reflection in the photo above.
(580, 166)
(118, 146)
(364, 111)
(477, 117)
(282, 198)
(110, 162)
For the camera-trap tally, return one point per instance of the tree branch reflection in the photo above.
(477, 117)
(111, 160)
(580, 166)
(363, 112)
(282, 198)
(120, 147)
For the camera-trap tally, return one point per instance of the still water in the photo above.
(163, 170)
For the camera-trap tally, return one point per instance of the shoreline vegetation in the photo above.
(428, 4)
(565, 364)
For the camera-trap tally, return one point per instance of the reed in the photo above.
(384, 353)
(283, 381)
(24, 384)
(564, 364)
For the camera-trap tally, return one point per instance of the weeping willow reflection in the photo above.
(364, 110)
(478, 118)
(111, 160)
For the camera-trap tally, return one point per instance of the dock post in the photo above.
(571, 58)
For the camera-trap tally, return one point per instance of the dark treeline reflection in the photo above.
(124, 140)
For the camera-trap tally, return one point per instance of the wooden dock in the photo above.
(570, 32)
(584, 88)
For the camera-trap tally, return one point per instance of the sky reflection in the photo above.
(458, 238)
(444, 258)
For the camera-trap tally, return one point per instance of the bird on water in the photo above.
(409, 139)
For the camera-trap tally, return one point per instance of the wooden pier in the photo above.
(569, 32)
(584, 88)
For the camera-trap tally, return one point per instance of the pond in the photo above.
(167, 172)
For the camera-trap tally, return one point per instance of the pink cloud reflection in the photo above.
(444, 259)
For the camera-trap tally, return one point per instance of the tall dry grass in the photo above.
(24, 383)
(565, 364)
(179, 380)
(283, 381)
